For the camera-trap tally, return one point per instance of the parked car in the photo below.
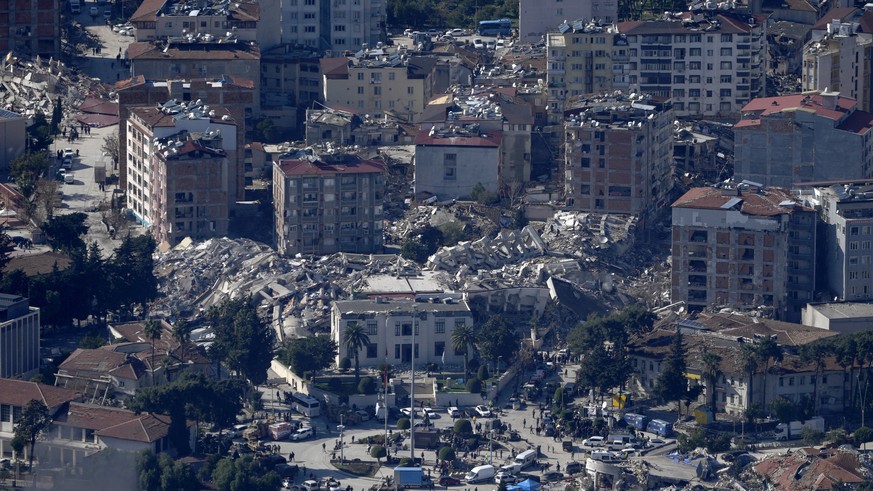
(407, 411)
(107, 13)
(477, 43)
(69, 179)
(301, 434)
(574, 468)
(552, 476)
(449, 481)
(594, 441)
(483, 411)
(68, 152)
(455, 32)
(454, 412)
(506, 478)
(94, 11)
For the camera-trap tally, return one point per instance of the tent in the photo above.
(526, 485)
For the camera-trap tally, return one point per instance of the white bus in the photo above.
(305, 405)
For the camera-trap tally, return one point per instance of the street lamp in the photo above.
(340, 428)
(491, 447)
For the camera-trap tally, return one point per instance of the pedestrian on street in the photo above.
(324, 447)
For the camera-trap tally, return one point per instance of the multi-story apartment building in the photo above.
(31, 27)
(451, 161)
(786, 140)
(493, 109)
(372, 84)
(840, 61)
(536, 18)
(188, 19)
(618, 155)
(291, 79)
(847, 213)
(182, 170)
(584, 58)
(209, 58)
(328, 203)
(743, 246)
(233, 94)
(390, 323)
(709, 63)
(333, 24)
(19, 337)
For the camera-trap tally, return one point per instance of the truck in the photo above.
(795, 428)
(280, 431)
(411, 477)
(482, 473)
(636, 421)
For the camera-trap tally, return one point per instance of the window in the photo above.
(450, 163)
(339, 28)
(391, 75)
(726, 52)
(360, 76)
(360, 91)
(309, 29)
(440, 327)
(406, 329)
(372, 350)
(5, 413)
(372, 329)
(439, 348)
(397, 351)
(410, 90)
(377, 90)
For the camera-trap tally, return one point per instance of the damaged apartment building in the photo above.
(346, 128)
(182, 169)
(328, 203)
(618, 155)
(491, 109)
(745, 246)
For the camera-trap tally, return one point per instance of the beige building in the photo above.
(376, 84)
(745, 247)
(182, 167)
(188, 19)
(618, 155)
(389, 324)
(19, 337)
(840, 61)
(537, 17)
(13, 129)
(328, 203)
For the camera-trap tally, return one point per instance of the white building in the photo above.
(333, 24)
(536, 17)
(449, 162)
(19, 337)
(389, 325)
(840, 62)
(841, 317)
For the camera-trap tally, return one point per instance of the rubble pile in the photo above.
(508, 247)
(28, 87)
(195, 277)
(584, 234)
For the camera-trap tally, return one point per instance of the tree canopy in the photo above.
(244, 474)
(672, 384)
(34, 419)
(310, 354)
(242, 338)
(497, 339)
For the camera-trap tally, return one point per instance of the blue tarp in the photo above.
(526, 485)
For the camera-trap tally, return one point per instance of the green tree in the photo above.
(447, 453)
(243, 338)
(463, 337)
(378, 452)
(344, 364)
(367, 385)
(483, 373)
(811, 436)
(152, 330)
(110, 145)
(244, 474)
(403, 424)
(356, 339)
(672, 384)
(474, 386)
(39, 134)
(149, 471)
(816, 354)
(711, 373)
(558, 397)
(497, 339)
(463, 427)
(750, 361)
(91, 342)
(783, 410)
(862, 435)
(34, 419)
(265, 131)
(768, 350)
(129, 278)
(308, 354)
(27, 170)
(421, 243)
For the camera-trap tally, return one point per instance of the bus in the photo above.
(305, 405)
(660, 427)
(495, 27)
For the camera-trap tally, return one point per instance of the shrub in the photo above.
(406, 462)
(403, 424)
(474, 386)
(378, 452)
(483, 373)
(447, 453)
(862, 435)
(463, 427)
(345, 364)
(367, 385)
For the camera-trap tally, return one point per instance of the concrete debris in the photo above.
(586, 234)
(31, 86)
(507, 248)
(295, 292)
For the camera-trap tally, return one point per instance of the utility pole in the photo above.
(412, 385)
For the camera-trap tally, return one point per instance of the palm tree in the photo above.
(711, 372)
(182, 334)
(462, 337)
(768, 350)
(815, 353)
(152, 330)
(356, 339)
(750, 366)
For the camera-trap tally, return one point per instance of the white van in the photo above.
(594, 441)
(482, 473)
(604, 456)
(526, 458)
(511, 469)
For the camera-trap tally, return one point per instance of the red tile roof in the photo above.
(765, 106)
(841, 14)
(335, 66)
(194, 51)
(147, 11)
(356, 165)
(19, 393)
(115, 423)
(489, 139)
(750, 202)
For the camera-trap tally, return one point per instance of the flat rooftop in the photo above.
(398, 305)
(844, 310)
